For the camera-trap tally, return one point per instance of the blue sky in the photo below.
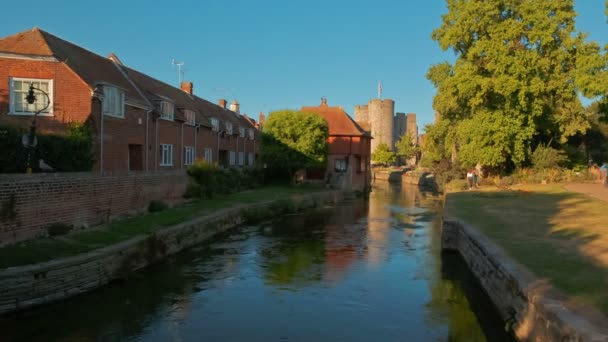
(270, 54)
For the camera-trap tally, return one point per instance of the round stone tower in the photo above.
(362, 113)
(381, 114)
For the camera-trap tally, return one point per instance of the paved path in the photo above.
(596, 190)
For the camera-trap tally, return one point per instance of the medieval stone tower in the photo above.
(377, 117)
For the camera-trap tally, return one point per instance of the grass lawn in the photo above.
(46, 249)
(559, 235)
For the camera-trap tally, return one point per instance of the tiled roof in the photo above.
(93, 69)
(339, 122)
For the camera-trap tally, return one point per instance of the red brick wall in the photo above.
(71, 96)
(81, 199)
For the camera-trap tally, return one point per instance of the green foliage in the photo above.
(384, 155)
(406, 147)
(209, 180)
(157, 206)
(293, 140)
(545, 157)
(69, 152)
(520, 66)
(57, 229)
(438, 142)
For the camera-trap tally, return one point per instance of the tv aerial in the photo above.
(180, 73)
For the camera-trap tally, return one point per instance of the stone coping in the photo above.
(544, 313)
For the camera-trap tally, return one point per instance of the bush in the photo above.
(68, 152)
(156, 206)
(209, 180)
(545, 157)
(57, 229)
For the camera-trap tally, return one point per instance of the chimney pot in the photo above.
(187, 87)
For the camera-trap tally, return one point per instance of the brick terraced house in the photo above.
(348, 163)
(139, 123)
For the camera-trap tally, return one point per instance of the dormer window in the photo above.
(251, 136)
(215, 124)
(113, 102)
(242, 132)
(229, 128)
(190, 117)
(167, 110)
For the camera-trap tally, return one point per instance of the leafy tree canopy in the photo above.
(519, 69)
(293, 140)
(383, 154)
(406, 147)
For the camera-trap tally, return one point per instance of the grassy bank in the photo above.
(557, 234)
(46, 249)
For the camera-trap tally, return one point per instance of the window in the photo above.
(251, 134)
(242, 132)
(232, 158)
(190, 117)
(241, 158)
(215, 124)
(250, 158)
(340, 165)
(166, 155)
(113, 102)
(229, 128)
(188, 155)
(208, 155)
(167, 110)
(20, 87)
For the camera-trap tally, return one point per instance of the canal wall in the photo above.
(390, 176)
(28, 286)
(531, 307)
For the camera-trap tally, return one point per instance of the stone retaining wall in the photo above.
(27, 286)
(29, 203)
(530, 306)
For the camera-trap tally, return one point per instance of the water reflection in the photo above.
(360, 271)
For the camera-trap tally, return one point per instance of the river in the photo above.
(360, 271)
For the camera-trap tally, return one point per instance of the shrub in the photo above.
(57, 229)
(545, 157)
(209, 180)
(156, 206)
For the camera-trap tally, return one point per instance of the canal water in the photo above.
(359, 271)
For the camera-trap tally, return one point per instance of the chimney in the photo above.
(262, 119)
(235, 106)
(187, 87)
(222, 103)
(324, 102)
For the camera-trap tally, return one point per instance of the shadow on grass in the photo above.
(556, 234)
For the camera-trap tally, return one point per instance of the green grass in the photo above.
(46, 249)
(556, 234)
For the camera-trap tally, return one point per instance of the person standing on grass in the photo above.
(603, 171)
(470, 178)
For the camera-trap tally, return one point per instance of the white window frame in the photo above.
(229, 128)
(166, 155)
(340, 165)
(208, 155)
(251, 135)
(250, 158)
(113, 102)
(241, 158)
(215, 124)
(39, 96)
(188, 155)
(167, 110)
(190, 117)
(242, 132)
(232, 160)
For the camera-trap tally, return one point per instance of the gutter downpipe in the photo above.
(181, 137)
(156, 146)
(101, 140)
(148, 140)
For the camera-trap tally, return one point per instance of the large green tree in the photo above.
(383, 154)
(293, 140)
(406, 147)
(520, 66)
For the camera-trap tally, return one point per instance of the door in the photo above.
(136, 160)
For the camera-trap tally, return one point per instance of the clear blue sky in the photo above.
(270, 54)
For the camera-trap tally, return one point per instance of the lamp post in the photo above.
(29, 140)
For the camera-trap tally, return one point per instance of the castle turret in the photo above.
(381, 120)
(362, 116)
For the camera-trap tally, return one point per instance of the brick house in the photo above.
(139, 123)
(348, 162)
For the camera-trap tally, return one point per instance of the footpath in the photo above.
(595, 190)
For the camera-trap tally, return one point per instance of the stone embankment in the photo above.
(531, 307)
(27, 286)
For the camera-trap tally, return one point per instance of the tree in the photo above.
(406, 147)
(514, 85)
(383, 154)
(293, 140)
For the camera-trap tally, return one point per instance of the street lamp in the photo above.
(29, 140)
